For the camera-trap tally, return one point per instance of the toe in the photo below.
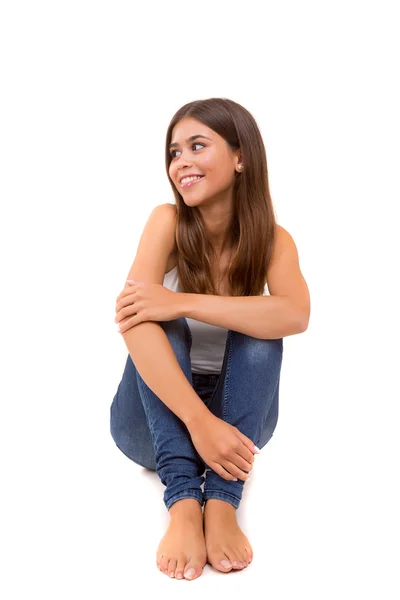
(180, 567)
(242, 558)
(193, 570)
(234, 559)
(172, 567)
(163, 564)
(220, 561)
(249, 554)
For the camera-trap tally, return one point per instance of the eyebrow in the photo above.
(191, 139)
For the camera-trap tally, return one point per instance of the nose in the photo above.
(182, 163)
(181, 166)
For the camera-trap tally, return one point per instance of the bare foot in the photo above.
(182, 551)
(225, 541)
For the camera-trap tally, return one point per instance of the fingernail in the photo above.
(117, 327)
(234, 479)
(256, 449)
(190, 573)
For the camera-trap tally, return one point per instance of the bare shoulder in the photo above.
(284, 276)
(167, 215)
(156, 246)
(166, 211)
(169, 212)
(171, 207)
(283, 244)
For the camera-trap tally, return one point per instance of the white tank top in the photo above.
(208, 341)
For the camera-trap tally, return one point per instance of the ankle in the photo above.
(189, 507)
(221, 506)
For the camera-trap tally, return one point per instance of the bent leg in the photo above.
(171, 451)
(247, 397)
(128, 421)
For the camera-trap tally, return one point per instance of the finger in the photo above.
(248, 443)
(125, 301)
(246, 454)
(127, 296)
(131, 284)
(124, 326)
(238, 460)
(219, 470)
(124, 313)
(234, 471)
(129, 288)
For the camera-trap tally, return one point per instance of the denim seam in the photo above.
(195, 494)
(218, 495)
(223, 493)
(227, 374)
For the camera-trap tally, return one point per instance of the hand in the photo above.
(139, 302)
(223, 447)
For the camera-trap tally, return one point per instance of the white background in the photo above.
(87, 92)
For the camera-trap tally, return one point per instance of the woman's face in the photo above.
(208, 155)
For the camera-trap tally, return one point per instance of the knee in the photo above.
(123, 441)
(255, 350)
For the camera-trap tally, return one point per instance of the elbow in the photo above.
(303, 320)
(300, 318)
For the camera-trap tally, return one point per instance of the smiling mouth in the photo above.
(191, 182)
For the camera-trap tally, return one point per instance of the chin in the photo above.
(192, 203)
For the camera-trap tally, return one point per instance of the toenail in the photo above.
(171, 574)
(190, 573)
(179, 576)
(235, 563)
(226, 564)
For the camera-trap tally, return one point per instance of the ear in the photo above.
(239, 166)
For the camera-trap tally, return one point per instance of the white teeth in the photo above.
(187, 179)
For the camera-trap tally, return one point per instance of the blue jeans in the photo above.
(245, 394)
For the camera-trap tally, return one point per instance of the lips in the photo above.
(190, 183)
(190, 175)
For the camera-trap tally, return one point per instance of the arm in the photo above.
(147, 342)
(262, 317)
(221, 445)
(156, 363)
(285, 312)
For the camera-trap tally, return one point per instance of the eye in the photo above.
(195, 144)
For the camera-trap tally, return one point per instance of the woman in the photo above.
(219, 247)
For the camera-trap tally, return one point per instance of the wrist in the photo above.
(196, 418)
(184, 303)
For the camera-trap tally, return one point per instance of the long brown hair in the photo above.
(253, 224)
